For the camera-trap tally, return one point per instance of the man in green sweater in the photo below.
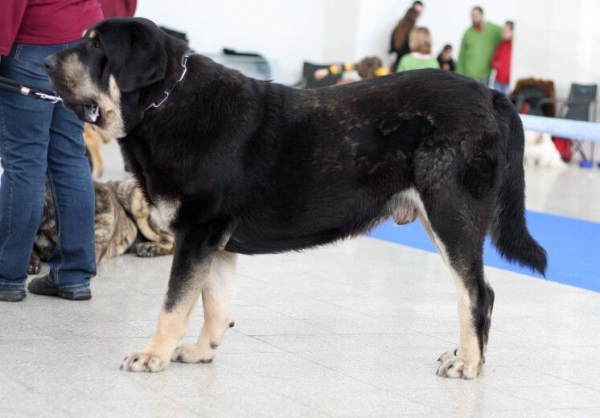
(477, 47)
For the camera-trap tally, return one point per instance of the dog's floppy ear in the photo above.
(135, 49)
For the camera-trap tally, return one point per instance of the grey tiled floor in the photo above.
(351, 330)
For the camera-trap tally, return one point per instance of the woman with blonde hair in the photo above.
(420, 46)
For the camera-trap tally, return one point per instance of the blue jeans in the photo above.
(501, 87)
(484, 80)
(41, 144)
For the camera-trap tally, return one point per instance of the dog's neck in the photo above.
(169, 90)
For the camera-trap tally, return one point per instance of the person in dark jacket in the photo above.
(399, 38)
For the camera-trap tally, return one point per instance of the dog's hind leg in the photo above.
(191, 272)
(218, 294)
(457, 227)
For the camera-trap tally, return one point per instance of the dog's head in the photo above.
(121, 65)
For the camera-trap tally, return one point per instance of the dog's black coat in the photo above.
(259, 167)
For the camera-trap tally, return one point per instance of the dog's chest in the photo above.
(164, 212)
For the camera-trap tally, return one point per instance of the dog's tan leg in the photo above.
(172, 325)
(218, 293)
(464, 258)
(466, 361)
(92, 142)
(192, 266)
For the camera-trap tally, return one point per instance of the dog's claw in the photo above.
(144, 362)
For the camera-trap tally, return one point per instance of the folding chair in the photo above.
(580, 105)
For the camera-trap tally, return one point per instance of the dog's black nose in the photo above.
(51, 64)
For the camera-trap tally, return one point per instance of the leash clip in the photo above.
(49, 98)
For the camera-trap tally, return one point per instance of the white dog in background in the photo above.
(540, 151)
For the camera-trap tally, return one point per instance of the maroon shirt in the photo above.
(45, 22)
(118, 8)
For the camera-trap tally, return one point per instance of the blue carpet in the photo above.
(573, 247)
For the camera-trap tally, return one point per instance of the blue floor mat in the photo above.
(573, 247)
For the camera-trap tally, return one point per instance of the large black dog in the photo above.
(235, 165)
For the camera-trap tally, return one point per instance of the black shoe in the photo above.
(45, 287)
(9, 295)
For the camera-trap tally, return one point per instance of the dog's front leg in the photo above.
(192, 264)
(218, 293)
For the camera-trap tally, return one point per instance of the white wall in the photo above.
(446, 19)
(554, 39)
(557, 40)
(286, 31)
(291, 31)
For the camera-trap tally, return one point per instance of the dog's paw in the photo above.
(448, 355)
(144, 362)
(453, 366)
(146, 249)
(194, 353)
(34, 267)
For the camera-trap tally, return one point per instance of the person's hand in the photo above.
(321, 73)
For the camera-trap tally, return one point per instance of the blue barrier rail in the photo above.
(583, 131)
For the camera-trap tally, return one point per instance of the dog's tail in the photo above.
(509, 230)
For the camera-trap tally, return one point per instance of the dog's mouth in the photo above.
(89, 113)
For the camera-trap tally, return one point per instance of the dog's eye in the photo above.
(96, 45)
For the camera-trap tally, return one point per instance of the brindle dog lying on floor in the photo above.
(122, 222)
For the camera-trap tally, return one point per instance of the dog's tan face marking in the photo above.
(84, 89)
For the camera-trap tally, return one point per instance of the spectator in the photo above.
(420, 57)
(501, 59)
(399, 39)
(477, 47)
(445, 58)
(42, 142)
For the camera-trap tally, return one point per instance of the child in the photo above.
(420, 56)
(501, 59)
(445, 58)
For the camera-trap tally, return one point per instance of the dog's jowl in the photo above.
(236, 165)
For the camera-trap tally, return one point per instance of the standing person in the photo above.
(501, 59)
(41, 144)
(420, 57)
(399, 40)
(477, 47)
(445, 58)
